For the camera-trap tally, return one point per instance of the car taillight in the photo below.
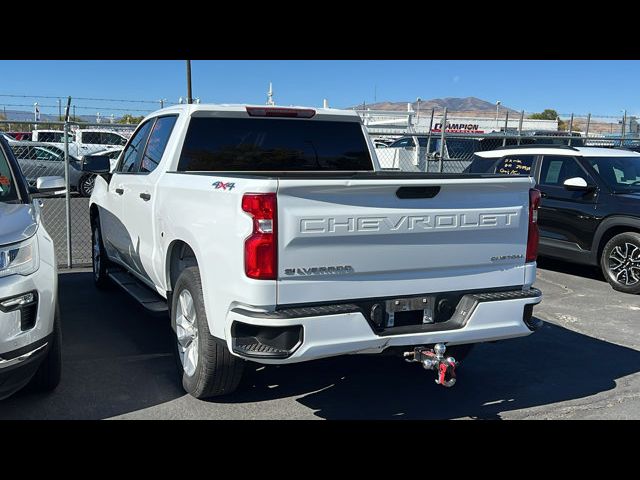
(534, 235)
(280, 112)
(261, 248)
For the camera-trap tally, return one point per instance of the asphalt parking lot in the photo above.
(583, 364)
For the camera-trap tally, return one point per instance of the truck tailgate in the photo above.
(343, 239)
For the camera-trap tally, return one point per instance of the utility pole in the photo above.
(59, 110)
(497, 111)
(189, 99)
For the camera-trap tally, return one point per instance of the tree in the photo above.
(547, 114)
(550, 114)
(130, 119)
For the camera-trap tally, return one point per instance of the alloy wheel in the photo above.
(624, 263)
(187, 332)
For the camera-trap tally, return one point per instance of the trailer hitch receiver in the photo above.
(434, 359)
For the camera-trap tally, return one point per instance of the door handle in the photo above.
(119, 191)
(145, 196)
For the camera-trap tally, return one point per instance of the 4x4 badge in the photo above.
(224, 186)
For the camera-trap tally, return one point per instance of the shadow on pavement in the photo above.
(586, 271)
(552, 365)
(117, 360)
(116, 357)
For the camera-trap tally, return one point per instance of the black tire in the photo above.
(620, 262)
(47, 377)
(217, 371)
(99, 259)
(85, 185)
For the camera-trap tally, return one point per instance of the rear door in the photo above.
(565, 216)
(350, 239)
(139, 187)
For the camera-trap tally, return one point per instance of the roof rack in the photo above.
(537, 145)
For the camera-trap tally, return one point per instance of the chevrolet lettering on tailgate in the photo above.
(410, 223)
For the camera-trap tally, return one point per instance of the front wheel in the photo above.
(98, 257)
(85, 185)
(620, 262)
(207, 366)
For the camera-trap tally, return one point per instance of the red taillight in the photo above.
(280, 112)
(261, 247)
(534, 235)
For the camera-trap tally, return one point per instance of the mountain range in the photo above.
(471, 105)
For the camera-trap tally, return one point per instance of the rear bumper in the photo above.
(349, 332)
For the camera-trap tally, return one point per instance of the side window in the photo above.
(157, 143)
(91, 137)
(403, 143)
(515, 165)
(117, 139)
(133, 152)
(556, 169)
(47, 155)
(108, 138)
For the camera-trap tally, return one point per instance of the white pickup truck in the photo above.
(271, 235)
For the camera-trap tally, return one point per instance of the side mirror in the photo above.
(50, 184)
(96, 164)
(576, 184)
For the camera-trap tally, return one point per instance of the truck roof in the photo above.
(234, 109)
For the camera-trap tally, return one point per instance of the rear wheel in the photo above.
(620, 262)
(99, 258)
(207, 367)
(47, 377)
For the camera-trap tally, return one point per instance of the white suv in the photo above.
(29, 323)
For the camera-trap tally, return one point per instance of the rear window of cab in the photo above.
(272, 144)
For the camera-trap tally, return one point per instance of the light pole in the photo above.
(498, 103)
(418, 100)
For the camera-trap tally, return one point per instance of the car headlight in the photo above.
(19, 258)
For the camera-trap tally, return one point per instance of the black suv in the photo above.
(590, 207)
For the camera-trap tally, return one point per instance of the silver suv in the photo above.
(30, 334)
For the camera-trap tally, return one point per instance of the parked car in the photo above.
(590, 207)
(402, 154)
(270, 235)
(19, 135)
(460, 149)
(43, 159)
(82, 142)
(30, 331)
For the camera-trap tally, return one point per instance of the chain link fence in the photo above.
(42, 149)
(405, 141)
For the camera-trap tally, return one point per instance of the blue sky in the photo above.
(601, 87)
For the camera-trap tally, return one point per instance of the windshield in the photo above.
(8, 187)
(621, 174)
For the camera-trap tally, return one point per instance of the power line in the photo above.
(79, 107)
(82, 98)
